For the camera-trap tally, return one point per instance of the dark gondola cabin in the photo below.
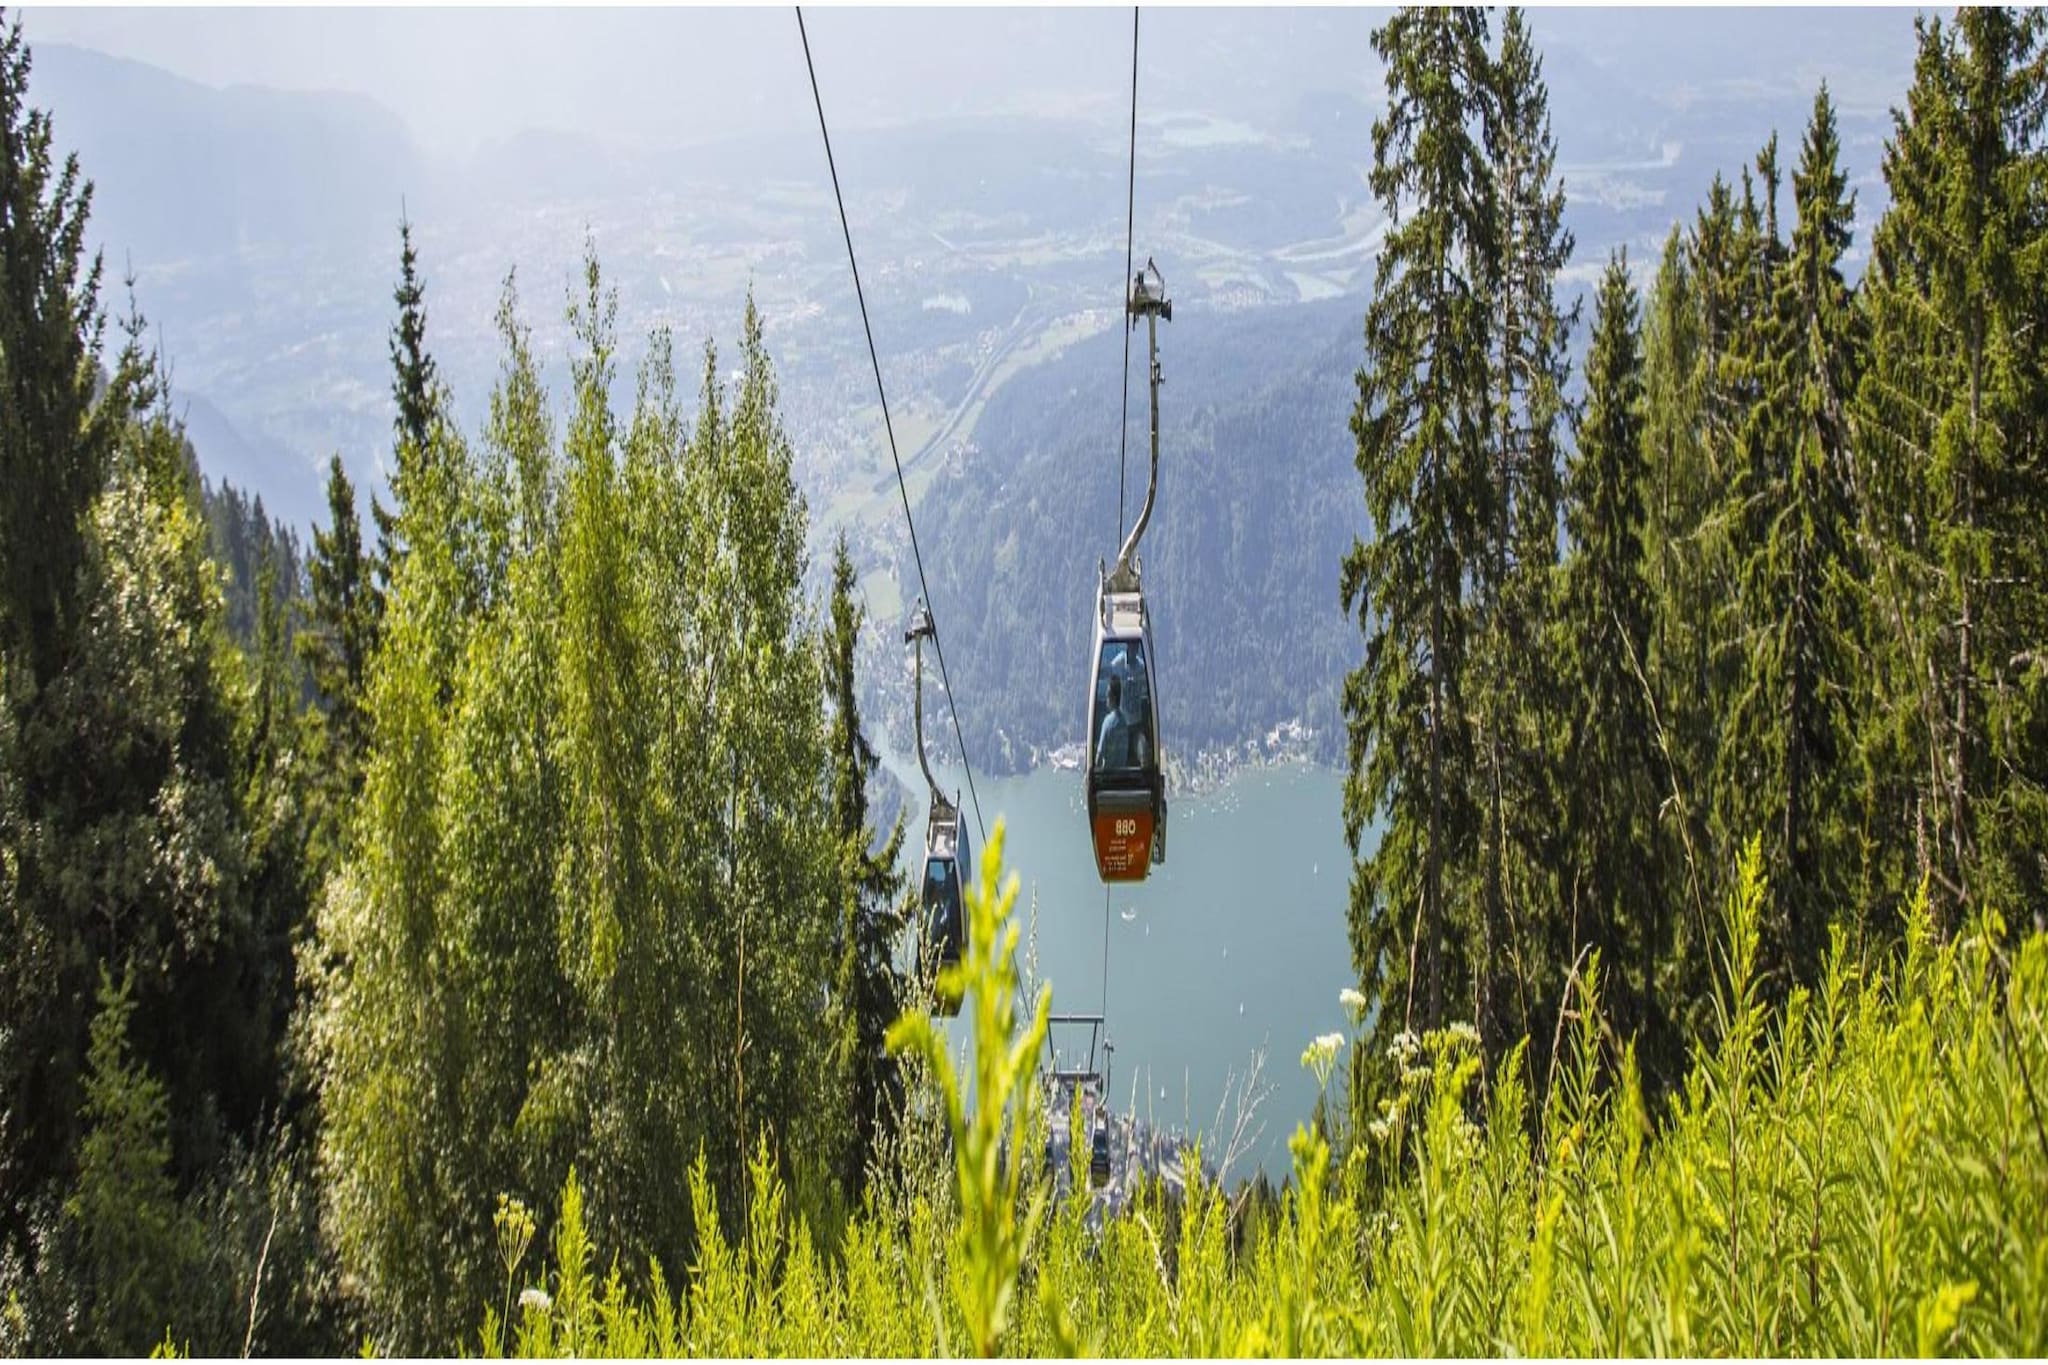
(948, 862)
(1126, 786)
(942, 927)
(1126, 777)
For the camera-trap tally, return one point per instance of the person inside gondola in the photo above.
(1136, 684)
(1138, 714)
(941, 903)
(1114, 745)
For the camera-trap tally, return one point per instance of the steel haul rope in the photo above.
(874, 358)
(1130, 234)
(1124, 411)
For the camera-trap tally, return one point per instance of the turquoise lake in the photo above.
(1236, 945)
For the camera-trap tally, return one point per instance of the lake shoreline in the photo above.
(1287, 744)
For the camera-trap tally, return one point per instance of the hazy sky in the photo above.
(460, 76)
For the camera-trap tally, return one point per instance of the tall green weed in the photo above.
(1863, 1171)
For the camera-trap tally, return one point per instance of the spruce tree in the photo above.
(1951, 416)
(1421, 422)
(1528, 245)
(1531, 245)
(867, 988)
(53, 460)
(134, 1247)
(55, 439)
(341, 632)
(1675, 456)
(1615, 770)
(412, 368)
(1703, 395)
(1715, 251)
(1785, 773)
(389, 986)
(1743, 439)
(120, 807)
(279, 814)
(414, 387)
(1681, 562)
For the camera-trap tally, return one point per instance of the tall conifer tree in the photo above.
(415, 388)
(1786, 773)
(867, 988)
(1682, 562)
(121, 831)
(1953, 419)
(1527, 246)
(341, 631)
(1422, 424)
(1614, 773)
(55, 440)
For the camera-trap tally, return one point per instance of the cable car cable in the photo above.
(1105, 957)
(875, 359)
(1130, 233)
(1124, 413)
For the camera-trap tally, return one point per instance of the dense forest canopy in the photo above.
(1759, 619)
(400, 921)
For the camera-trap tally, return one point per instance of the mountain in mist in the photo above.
(183, 170)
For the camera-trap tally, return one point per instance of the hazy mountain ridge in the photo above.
(184, 170)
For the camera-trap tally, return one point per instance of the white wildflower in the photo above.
(1404, 1046)
(1463, 1032)
(536, 1299)
(1321, 1055)
(1352, 1000)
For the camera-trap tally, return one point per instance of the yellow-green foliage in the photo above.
(992, 1237)
(1864, 1173)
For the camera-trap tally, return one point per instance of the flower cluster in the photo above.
(513, 1223)
(1320, 1056)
